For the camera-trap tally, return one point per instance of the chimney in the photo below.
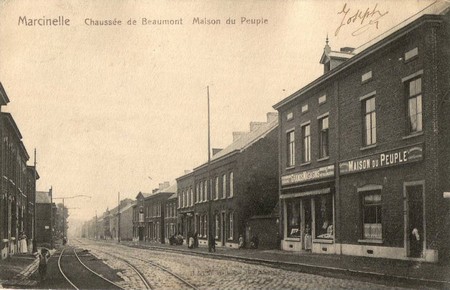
(347, 49)
(156, 189)
(271, 116)
(255, 125)
(216, 150)
(186, 171)
(237, 135)
(164, 185)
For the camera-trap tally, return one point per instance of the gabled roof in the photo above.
(3, 96)
(171, 189)
(246, 140)
(440, 7)
(43, 197)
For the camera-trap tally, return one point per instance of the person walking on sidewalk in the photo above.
(44, 255)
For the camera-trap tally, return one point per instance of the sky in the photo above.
(122, 108)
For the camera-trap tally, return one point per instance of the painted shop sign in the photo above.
(317, 173)
(381, 160)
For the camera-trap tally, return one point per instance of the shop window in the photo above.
(290, 148)
(323, 207)
(414, 99)
(370, 122)
(306, 142)
(371, 206)
(323, 138)
(293, 218)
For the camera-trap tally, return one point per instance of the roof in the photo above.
(171, 189)
(246, 140)
(31, 168)
(43, 197)
(437, 8)
(3, 96)
(173, 196)
(13, 124)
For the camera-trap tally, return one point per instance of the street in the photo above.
(182, 271)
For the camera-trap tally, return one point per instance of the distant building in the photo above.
(150, 213)
(126, 212)
(364, 148)
(45, 211)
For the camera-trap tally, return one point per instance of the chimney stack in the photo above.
(186, 171)
(216, 150)
(271, 116)
(237, 135)
(255, 125)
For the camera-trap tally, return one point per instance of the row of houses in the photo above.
(26, 216)
(357, 162)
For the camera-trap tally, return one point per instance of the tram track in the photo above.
(70, 266)
(183, 283)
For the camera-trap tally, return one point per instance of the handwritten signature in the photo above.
(366, 19)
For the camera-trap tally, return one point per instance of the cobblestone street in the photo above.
(208, 273)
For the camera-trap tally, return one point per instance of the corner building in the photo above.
(364, 149)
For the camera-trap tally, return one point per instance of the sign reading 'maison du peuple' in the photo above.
(317, 173)
(384, 159)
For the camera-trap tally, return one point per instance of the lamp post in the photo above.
(64, 216)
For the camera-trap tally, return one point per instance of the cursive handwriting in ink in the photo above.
(365, 19)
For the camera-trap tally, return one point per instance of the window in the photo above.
(192, 196)
(322, 99)
(217, 187)
(217, 226)
(370, 122)
(230, 224)
(231, 184)
(323, 208)
(291, 148)
(411, 53)
(306, 150)
(414, 94)
(205, 190)
(224, 186)
(367, 76)
(305, 108)
(289, 116)
(197, 192)
(371, 206)
(323, 137)
(293, 218)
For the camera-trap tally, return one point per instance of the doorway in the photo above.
(414, 226)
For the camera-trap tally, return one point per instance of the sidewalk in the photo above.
(411, 272)
(15, 270)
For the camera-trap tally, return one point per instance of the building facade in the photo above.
(240, 182)
(364, 159)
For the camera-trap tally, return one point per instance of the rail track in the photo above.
(182, 283)
(70, 266)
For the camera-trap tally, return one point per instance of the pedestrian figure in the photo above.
(195, 240)
(44, 255)
(254, 243)
(191, 242)
(212, 243)
(415, 243)
(241, 242)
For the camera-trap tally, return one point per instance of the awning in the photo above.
(306, 193)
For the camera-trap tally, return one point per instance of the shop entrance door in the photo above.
(306, 227)
(415, 225)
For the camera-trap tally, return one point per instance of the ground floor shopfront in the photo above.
(386, 211)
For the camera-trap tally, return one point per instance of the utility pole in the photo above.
(35, 206)
(118, 217)
(209, 235)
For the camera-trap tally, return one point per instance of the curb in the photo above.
(313, 269)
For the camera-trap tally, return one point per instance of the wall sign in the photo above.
(316, 173)
(381, 160)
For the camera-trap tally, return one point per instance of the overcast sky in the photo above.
(107, 107)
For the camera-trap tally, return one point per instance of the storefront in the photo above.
(308, 210)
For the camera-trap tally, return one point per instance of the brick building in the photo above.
(243, 183)
(364, 158)
(149, 215)
(45, 218)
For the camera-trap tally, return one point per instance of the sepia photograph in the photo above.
(225, 144)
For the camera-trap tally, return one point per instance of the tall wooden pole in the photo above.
(35, 206)
(210, 234)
